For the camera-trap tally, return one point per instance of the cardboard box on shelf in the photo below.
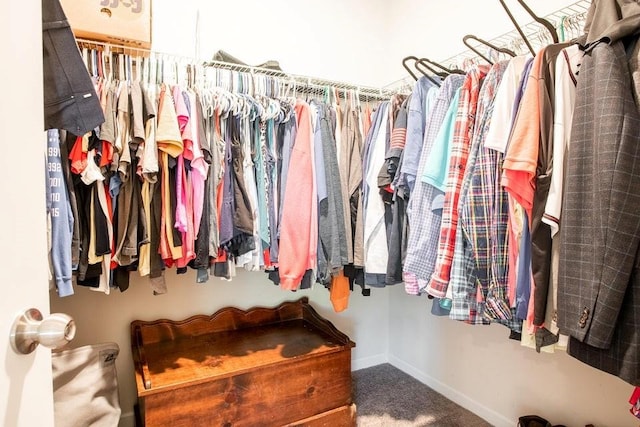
(125, 22)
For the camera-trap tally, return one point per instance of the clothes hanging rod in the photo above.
(129, 50)
(298, 80)
(302, 80)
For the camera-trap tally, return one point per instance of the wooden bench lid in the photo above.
(170, 354)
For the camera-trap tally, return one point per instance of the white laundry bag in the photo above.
(85, 386)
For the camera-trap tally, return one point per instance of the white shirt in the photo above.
(565, 93)
(501, 119)
(376, 254)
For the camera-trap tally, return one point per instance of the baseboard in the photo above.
(367, 362)
(492, 417)
(127, 420)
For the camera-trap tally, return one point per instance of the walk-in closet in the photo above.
(336, 213)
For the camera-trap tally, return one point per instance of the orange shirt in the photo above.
(521, 158)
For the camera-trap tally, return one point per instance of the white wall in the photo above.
(481, 369)
(341, 40)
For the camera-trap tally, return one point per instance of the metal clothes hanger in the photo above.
(129, 68)
(424, 62)
(418, 64)
(548, 25)
(160, 70)
(406, 67)
(486, 43)
(446, 70)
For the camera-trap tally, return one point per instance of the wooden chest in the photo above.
(277, 366)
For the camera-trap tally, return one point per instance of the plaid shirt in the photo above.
(478, 297)
(465, 120)
(469, 269)
(464, 304)
(497, 299)
(424, 223)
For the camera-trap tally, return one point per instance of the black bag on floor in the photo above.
(534, 421)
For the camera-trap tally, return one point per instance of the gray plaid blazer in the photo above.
(599, 276)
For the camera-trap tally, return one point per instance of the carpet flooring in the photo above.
(387, 397)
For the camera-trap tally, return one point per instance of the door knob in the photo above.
(30, 329)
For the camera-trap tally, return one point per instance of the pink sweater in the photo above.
(298, 228)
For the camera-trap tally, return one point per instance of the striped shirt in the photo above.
(465, 120)
(424, 222)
